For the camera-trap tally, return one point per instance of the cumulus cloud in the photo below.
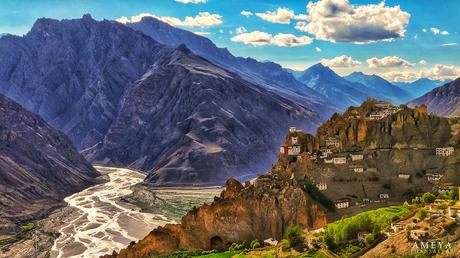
(340, 61)
(438, 72)
(339, 21)
(202, 33)
(281, 15)
(241, 30)
(423, 62)
(246, 13)
(191, 1)
(388, 61)
(259, 38)
(437, 31)
(448, 44)
(202, 19)
(317, 49)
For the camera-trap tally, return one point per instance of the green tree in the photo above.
(294, 235)
(428, 198)
(422, 214)
(369, 239)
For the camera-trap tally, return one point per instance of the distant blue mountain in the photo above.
(420, 86)
(267, 74)
(336, 89)
(380, 88)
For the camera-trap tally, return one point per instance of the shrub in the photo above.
(428, 198)
(369, 239)
(422, 214)
(453, 195)
(255, 244)
(442, 206)
(236, 247)
(294, 235)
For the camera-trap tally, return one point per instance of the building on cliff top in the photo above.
(321, 186)
(295, 130)
(294, 150)
(445, 151)
(384, 196)
(383, 104)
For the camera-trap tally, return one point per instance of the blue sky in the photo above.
(417, 39)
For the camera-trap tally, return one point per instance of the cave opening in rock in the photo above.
(217, 243)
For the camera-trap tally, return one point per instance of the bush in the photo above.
(294, 235)
(442, 206)
(453, 195)
(236, 247)
(422, 214)
(369, 239)
(255, 244)
(428, 198)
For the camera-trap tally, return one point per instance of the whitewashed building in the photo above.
(358, 169)
(445, 151)
(404, 176)
(321, 186)
(339, 160)
(292, 129)
(356, 156)
(433, 177)
(284, 149)
(342, 204)
(328, 161)
(294, 150)
(384, 196)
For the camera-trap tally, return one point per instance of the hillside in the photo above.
(420, 86)
(98, 81)
(376, 161)
(216, 124)
(38, 165)
(444, 100)
(269, 75)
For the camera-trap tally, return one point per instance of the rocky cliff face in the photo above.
(398, 155)
(188, 121)
(242, 213)
(38, 165)
(444, 100)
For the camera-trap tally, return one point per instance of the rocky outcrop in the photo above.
(260, 210)
(38, 165)
(444, 100)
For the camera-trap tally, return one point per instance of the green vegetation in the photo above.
(313, 191)
(24, 234)
(428, 198)
(200, 253)
(422, 214)
(236, 247)
(369, 239)
(348, 250)
(294, 235)
(255, 244)
(373, 221)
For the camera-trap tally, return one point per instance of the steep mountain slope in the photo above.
(38, 165)
(444, 100)
(74, 72)
(336, 89)
(188, 121)
(380, 88)
(267, 74)
(420, 86)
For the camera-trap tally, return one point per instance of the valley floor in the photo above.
(103, 218)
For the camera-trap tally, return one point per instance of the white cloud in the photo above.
(221, 31)
(202, 33)
(340, 61)
(423, 62)
(246, 13)
(449, 44)
(281, 15)
(388, 61)
(437, 31)
(191, 1)
(339, 21)
(202, 19)
(317, 49)
(424, 30)
(438, 72)
(259, 38)
(241, 30)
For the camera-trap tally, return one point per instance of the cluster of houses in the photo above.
(445, 151)
(385, 109)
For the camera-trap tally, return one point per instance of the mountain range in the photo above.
(420, 86)
(444, 100)
(38, 165)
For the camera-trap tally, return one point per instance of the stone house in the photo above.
(342, 203)
(339, 160)
(356, 156)
(404, 176)
(294, 150)
(384, 196)
(321, 186)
